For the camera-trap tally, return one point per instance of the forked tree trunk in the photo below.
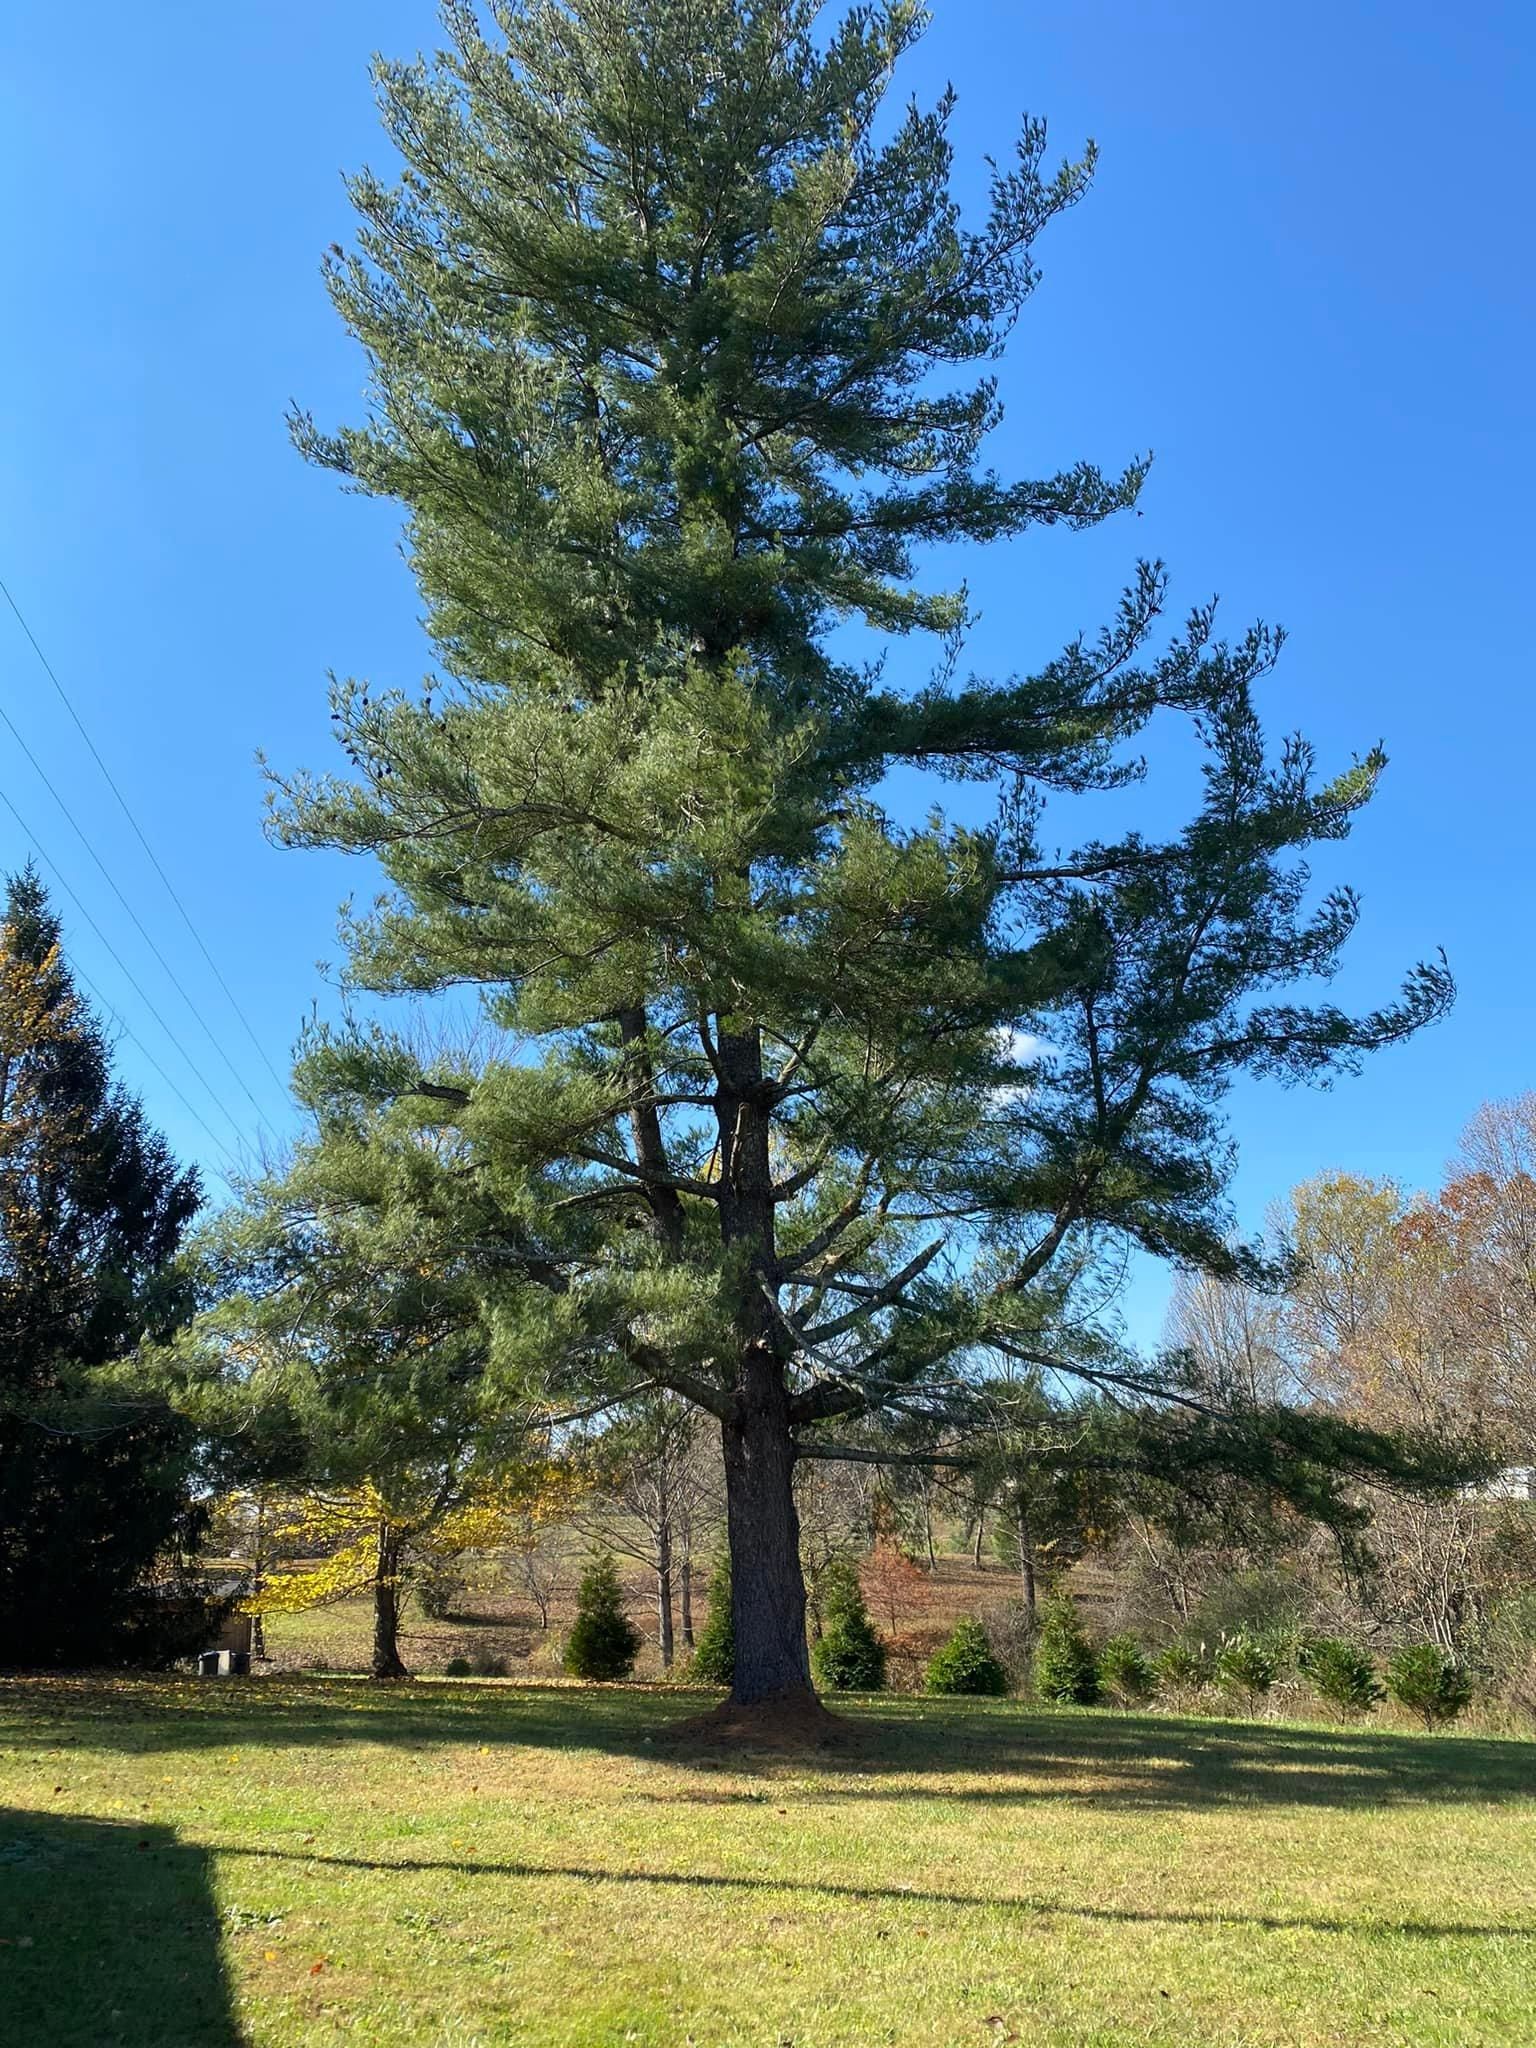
(387, 1661)
(767, 1586)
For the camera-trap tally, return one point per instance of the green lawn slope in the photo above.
(324, 1861)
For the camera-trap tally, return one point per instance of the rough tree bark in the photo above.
(387, 1661)
(767, 1583)
(767, 1587)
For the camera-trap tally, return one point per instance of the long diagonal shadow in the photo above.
(1420, 1930)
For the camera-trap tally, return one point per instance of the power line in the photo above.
(78, 973)
(154, 859)
(138, 923)
(129, 976)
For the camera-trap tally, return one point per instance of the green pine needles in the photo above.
(966, 1665)
(1341, 1674)
(1429, 1683)
(1066, 1672)
(848, 1656)
(603, 1642)
(680, 363)
(714, 1654)
(1125, 1671)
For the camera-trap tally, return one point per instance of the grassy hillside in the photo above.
(322, 1861)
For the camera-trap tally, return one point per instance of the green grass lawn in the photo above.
(306, 1861)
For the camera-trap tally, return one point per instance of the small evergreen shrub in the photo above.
(714, 1654)
(1428, 1683)
(603, 1642)
(1125, 1672)
(1182, 1667)
(850, 1657)
(1066, 1672)
(1340, 1674)
(457, 1667)
(1248, 1664)
(966, 1665)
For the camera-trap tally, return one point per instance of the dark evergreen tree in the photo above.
(714, 1655)
(96, 1503)
(1341, 1673)
(1125, 1671)
(673, 342)
(1429, 1683)
(848, 1655)
(1247, 1664)
(603, 1642)
(966, 1665)
(1066, 1672)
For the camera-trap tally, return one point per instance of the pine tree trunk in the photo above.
(685, 1588)
(981, 1523)
(767, 1586)
(387, 1661)
(767, 1583)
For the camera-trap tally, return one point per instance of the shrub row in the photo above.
(850, 1657)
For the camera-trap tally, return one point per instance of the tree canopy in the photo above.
(816, 1106)
(94, 1489)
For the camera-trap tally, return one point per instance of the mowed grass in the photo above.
(317, 1861)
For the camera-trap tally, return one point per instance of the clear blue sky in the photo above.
(1304, 281)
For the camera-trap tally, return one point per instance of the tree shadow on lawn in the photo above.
(896, 1747)
(109, 1937)
(1038, 1906)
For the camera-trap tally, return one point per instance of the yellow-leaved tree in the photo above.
(351, 1349)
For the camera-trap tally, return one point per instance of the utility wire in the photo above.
(129, 976)
(77, 973)
(137, 921)
(154, 859)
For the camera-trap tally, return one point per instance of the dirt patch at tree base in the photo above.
(795, 1722)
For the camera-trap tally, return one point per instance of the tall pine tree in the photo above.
(95, 1494)
(675, 340)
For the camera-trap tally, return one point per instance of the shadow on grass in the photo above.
(898, 1747)
(109, 1938)
(1037, 1906)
